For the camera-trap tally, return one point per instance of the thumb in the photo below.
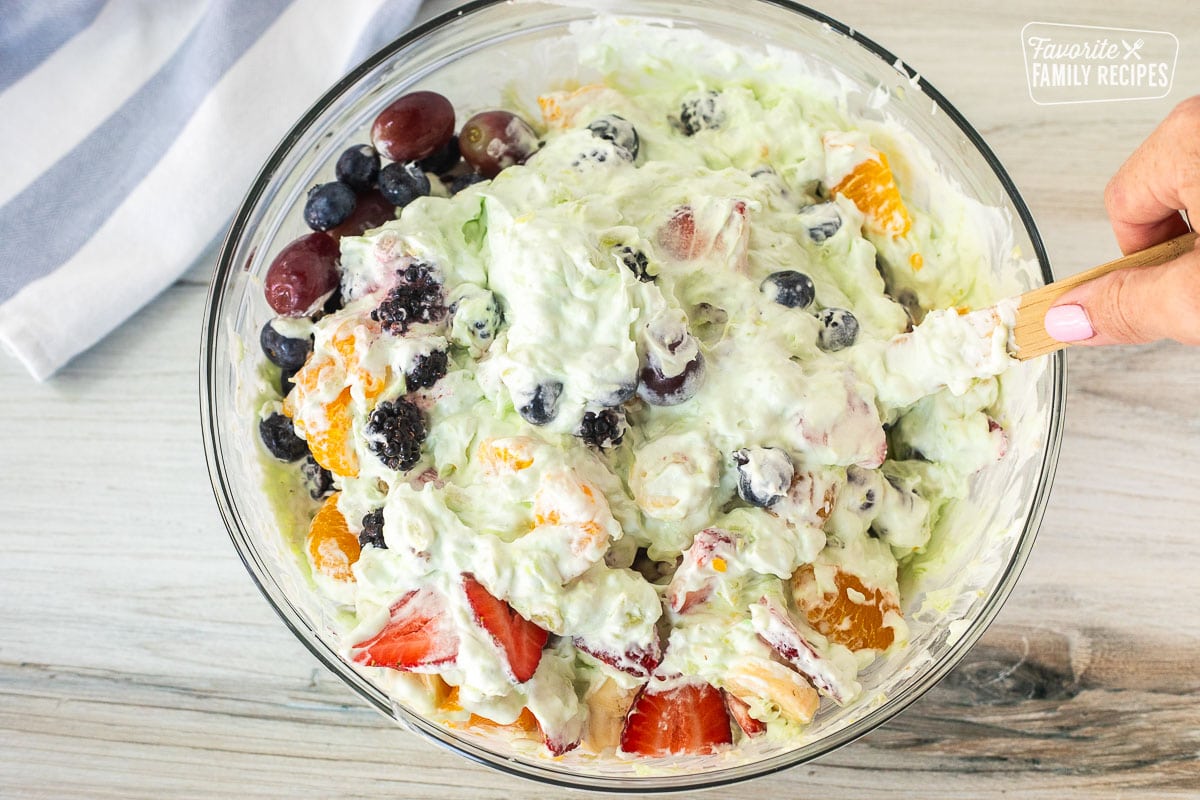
(1132, 306)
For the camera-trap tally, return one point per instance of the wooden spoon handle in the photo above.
(1029, 333)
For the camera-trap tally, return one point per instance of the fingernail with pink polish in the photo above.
(1068, 323)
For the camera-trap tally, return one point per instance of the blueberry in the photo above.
(284, 351)
(395, 432)
(318, 479)
(463, 181)
(286, 375)
(622, 394)
(358, 167)
(619, 131)
(542, 405)
(789, 288)
(764, 475)
(659, 389)
(636, 262)
(443, 160)
(701, 112)
(279, 437)
(822, 221)
(403, 183)
(840, 329)
(328, 205)
(604, 429)
(372, 530)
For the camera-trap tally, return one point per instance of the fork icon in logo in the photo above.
(1132, 49)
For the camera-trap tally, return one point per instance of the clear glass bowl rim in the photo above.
(211, 432)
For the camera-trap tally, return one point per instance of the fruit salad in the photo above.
(622, 417)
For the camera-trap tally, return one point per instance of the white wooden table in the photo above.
(138, 660)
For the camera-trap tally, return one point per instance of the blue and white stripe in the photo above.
(131, 129)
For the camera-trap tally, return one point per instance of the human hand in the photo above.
(1144, 200)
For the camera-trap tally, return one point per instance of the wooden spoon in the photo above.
(1029, 334)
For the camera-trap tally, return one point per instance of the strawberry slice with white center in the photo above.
(710, 554)
(775, 627)
(418, 637)
(519, 640)
(739, 709)
(687, 720)
(639, 660)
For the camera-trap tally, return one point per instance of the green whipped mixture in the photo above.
(645, 550)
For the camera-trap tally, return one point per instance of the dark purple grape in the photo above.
(403, 183)
(371, 211)
(328, 205)
(303, 273)
(358, 167)
(413, 127)
(284, 351)
(658, 389)
(443, 160)
(494, 140)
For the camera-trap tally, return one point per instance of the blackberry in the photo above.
(602, 430)
(427, 370)
(701, 112)
(372, 530)
(318, 479)
(416, 297)
(280, 439)
(395, 433)
(636, 262)
(328, 205)
(542, 405)
(358, 167)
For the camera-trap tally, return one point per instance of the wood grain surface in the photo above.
(137, 660)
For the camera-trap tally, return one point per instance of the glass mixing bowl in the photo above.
(478, 55)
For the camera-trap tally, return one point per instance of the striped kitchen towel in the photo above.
(131, 129)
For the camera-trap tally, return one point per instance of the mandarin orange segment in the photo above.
(525, 722)
(329, 438)
(872, 187)
(840, 617)
(559, 109)
(332, 549)
(505, 456)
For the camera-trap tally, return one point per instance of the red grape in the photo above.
(301, 275)
(414, 127)
(371, 211)
(493, 140)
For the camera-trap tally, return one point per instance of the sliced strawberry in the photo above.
(638, 660)
(677, 236)
(418, 637)
(519, 639)
(777, 629)
(739, 709)
(710, 553)
(688, 720)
